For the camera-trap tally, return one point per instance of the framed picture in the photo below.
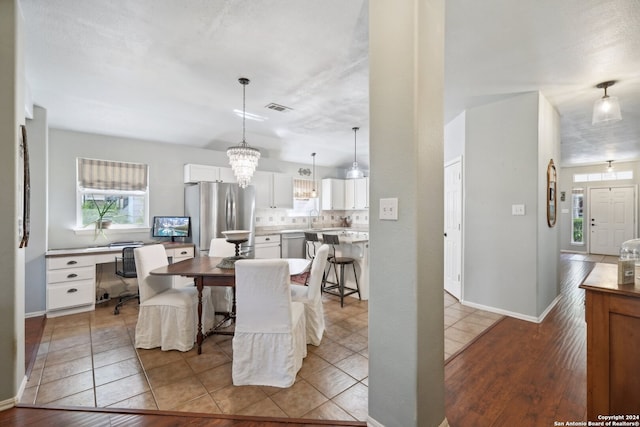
(552, 182)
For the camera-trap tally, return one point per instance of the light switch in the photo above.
(517, 210)
(389, 209)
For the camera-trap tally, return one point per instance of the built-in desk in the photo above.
(71, 275)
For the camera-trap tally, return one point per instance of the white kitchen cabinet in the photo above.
(206, 173)
(356, 193)
(180, 254)
(333, 194)
(267, 246)
(70, 285)
(273, 190)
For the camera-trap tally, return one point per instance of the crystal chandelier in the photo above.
(243, 158)
(355, 172)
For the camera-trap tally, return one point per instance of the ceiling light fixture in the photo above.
(607, 108)
(243, 158)
(355, 172)
(610, 168)
(314, 193)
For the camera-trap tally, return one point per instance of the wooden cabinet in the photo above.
(333, 197)
(613, 344)
(273, 190)
(205, 173)
(356, 193)
(267, 246)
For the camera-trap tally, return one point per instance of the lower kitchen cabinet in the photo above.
(267, 246)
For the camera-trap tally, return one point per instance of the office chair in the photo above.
(126, 267)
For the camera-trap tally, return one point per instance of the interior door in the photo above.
(612, 218)
(453, 228)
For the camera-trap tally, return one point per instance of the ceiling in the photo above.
(168, 70)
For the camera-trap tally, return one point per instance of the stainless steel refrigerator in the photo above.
(215, 207)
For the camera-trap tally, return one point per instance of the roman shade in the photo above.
(107, 175)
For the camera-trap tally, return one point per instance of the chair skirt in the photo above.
(169, 320)
(270, 359)
(313, 311)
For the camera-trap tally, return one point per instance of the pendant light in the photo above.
(314, 193)
(607, 108)
(243, 158)
(610, 167)
(355, 172)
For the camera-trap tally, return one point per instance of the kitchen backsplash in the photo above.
(280, 218)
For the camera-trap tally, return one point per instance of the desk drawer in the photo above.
(71, 274)
(70, 262)
(70, 294)
(182, 253)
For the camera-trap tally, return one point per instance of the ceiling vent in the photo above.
(278, 107)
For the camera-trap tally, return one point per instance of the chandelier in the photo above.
(355, 172)
(243, 158)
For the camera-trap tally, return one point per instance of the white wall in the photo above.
(454, 137)
(504, 150)
(11, 258)
(406, 343)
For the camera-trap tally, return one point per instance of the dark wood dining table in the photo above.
(205, 272)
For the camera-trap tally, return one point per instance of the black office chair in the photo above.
(338, 287)
(126, 267)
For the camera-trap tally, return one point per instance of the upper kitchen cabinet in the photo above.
(206, 173)
(333, 194)
(356, 193)
(273, 190)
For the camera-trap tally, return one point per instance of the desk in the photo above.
(205, 272)
(71, 274)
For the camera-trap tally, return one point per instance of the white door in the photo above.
(612, 218)
(453, 228)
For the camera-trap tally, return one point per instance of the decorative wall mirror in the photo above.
(552, 179)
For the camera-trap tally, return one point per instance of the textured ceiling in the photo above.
(167, 70)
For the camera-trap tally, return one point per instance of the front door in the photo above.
(453, 228)
(612, 218)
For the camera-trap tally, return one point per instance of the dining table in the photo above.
(205, 272)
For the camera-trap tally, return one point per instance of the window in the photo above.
(577, 216)
(607, 176)
(119, 190)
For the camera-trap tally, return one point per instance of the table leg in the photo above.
(200, 336)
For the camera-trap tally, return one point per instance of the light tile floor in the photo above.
(89, 360)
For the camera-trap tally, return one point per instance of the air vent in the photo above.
(278, 107)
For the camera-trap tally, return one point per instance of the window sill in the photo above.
(86, 231)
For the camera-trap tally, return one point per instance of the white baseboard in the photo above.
(513, 313)
(8, 404)
(35, 314)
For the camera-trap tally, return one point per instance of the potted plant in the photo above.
(102, 223)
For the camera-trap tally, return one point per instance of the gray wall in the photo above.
(35, 274)
(510, 262)
(566, 184)
(11, 257)
(406, 343)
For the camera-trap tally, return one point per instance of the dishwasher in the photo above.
(292, 245)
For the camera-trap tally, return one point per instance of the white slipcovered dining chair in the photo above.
(167, 317)
(269, 342)
(311, 297)
(222, 295)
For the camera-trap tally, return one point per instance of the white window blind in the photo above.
(107, 175)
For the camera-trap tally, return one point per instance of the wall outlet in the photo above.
(389, 209)
(517, 210)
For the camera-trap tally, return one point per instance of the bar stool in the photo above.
(338, 287)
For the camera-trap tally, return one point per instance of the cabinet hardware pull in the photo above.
(71, 276)
(183, 253)
(72, 262)
(72, 290)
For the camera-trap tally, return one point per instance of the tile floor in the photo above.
(88, 360)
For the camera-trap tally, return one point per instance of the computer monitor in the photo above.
(171, 226)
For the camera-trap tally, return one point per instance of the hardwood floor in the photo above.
(522, 373)
(518, 373)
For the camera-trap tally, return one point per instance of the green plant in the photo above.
(577, 230)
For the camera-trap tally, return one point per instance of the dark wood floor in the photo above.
(517, 374)
(525, 374)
